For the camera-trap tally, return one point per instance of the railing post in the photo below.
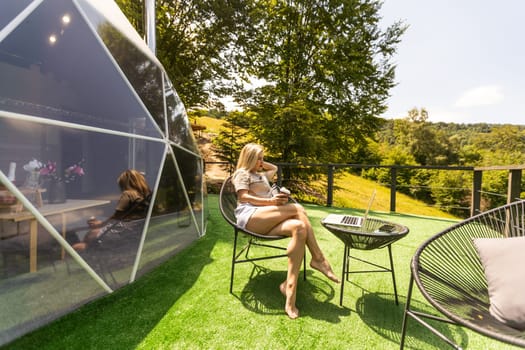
(393, 188)
(330, 186)
(475, 206)
(279, 175)
(514, 187)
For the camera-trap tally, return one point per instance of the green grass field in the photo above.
(185, 303)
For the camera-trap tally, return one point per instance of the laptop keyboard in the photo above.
(351, 220)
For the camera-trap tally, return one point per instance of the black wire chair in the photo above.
(116, 249)
(227, 204)
(448, 272)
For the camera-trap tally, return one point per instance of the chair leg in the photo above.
(393, 273)
(418, 316)
(344, 274)
(304, 266)
(405, 316)
(233, 260)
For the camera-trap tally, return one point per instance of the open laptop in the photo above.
(350, 220)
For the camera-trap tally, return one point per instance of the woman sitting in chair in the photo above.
(260, 211)
(131, 209)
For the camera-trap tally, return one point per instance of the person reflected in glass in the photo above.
(129, 213)
(260, 211)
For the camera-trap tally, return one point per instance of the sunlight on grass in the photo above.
(212, 125)
(352, 191)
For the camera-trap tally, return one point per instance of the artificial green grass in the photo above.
(185, 303)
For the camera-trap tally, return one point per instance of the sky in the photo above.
(461, 60)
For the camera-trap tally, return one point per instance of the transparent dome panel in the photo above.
(82, 105)
(57, 69)
(89, 191)
(31, 299)
(191, 169)
(100, 12)
(179, 126)
(171, 227)
(142, 70)
(10, 9)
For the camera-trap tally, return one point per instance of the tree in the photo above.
(194, 38)
(427, 143)
(233, 136)
(326, 71)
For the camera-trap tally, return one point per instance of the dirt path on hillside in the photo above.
(215, 173)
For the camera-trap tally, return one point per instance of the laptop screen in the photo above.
(350, 220)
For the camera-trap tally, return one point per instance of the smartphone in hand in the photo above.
(285, 191)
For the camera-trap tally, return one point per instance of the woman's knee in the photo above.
(298, 208)
(299, 228)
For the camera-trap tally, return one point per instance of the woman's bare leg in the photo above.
(295, 252)
(90, 236)
(291, 220)
(266, 218)
(318, 261)
(279, 220)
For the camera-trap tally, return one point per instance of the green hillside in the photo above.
(213, 125)
(353, 191)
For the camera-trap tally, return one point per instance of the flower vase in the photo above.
(33, 180)
(56, 192)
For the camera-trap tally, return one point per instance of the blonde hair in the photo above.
(249, 155)
(133, 180)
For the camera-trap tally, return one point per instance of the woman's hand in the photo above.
(280, 199)
(93, 222)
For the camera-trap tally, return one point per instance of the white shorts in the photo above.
(243, 213)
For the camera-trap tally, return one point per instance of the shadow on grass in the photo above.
(261, 295)
(380, 312)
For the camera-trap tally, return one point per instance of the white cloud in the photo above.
(229, 104)
(481, 96)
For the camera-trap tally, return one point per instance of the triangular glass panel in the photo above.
(179, 126)
(171, 227)
(59, 70)
(11, 9)
(191, 169)
(142, 70)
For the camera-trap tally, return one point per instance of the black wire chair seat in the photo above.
(227, 205)
(373, 234)
(449, 274)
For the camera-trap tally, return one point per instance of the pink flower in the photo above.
(50, 170)
(74, 170)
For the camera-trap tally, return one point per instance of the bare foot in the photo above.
(324, 267)
(282, 288)
(290, 310)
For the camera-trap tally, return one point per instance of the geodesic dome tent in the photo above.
(82, 99)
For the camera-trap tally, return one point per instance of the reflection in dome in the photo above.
(86, 101)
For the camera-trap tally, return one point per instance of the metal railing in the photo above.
(513, 188)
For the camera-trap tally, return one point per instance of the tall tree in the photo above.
(426, 142)
(326, 71)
